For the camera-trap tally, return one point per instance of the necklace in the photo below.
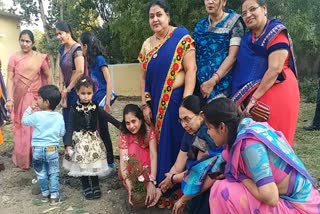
(164, 36)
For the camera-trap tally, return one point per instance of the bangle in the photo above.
(152, 179)
(171, 179)
(253, 100)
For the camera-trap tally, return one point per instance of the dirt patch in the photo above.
(16, 184)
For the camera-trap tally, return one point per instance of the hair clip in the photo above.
(84, 80)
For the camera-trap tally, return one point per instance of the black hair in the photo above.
(136, 111)
(63, 26)
(51, 94)
(260, 2)
(94, 47)
(164, 6)
(192, 103)
(223, 110)
(85, 81)
(31, 36)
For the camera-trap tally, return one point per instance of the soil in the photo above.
(16, 185)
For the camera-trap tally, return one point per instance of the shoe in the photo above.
(96, 192)
(45, 199)
(55, 201)
(88, 193)
(312, 128)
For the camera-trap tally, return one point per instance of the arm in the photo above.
(109, 118)
(146, 108)
(225, 67)
(29, 119)
(107, 77)
(190, 67)
(68, 139)
(151, 190)
(262, 185)
(123, 170)
(79, 66)
(46, 70)
(9, 86)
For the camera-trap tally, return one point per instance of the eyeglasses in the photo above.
(250, 10)
(186, 120)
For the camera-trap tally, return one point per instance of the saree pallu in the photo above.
(162, 65)
(283, 97)
(3, 97)
(231, 196)
(212, 47)
(28, 78)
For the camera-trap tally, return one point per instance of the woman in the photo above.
(263, 174)
(168, 74)
(217, 38)
(71, 67)
(99, 73)
(266, 70)
(197, 152)
(138, 153)
(28, 70)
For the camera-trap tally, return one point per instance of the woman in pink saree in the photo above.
(28, 70)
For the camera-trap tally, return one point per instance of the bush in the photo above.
(308, 90)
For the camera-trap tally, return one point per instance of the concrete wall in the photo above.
(9, 39)
(126, 79)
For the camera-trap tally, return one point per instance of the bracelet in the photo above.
(9, 100)
(218, 77)
(253, 100)
(171, 179)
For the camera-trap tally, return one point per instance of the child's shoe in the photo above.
(45, 199)
(88, 193)
(96, 192)
(55, 201)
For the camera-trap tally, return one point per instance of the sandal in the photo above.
(96, 192)
(88, 193)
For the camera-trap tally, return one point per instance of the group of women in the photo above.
(220, 61)
(257, 71)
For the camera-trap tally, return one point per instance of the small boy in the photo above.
(48, 128)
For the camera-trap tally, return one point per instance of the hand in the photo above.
(63, 94)
(34, 105)
(151, 194)
(178, 207)
(147, 114)
(156, 199)
(9, 105)
(248, 108)
(129, 187)
(207, 87)
(107, 107)
(166, 183)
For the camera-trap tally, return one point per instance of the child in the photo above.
(87, 158)
(98, 71)
(48, 128)
(137, 139)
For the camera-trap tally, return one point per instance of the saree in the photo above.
(252, 63)
(212, 47)
(28, 78)
(233, 197)
(162, 65)
(67, 67)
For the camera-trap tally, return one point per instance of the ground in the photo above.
(16, 185)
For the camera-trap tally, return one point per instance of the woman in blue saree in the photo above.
(168, 74)
(217, 38)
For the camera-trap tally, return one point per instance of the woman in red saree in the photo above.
(28, 70)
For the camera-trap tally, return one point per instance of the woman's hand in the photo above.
(63, 94)
(207, 87)
(156, 198)
(248, 108)
(151, 194)
(9, 105)
(147, 114)
(166, 183)
(178, 207)
(107, 107)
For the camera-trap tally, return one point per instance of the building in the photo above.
(9, 37)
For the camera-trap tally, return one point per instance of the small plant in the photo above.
(137, 174)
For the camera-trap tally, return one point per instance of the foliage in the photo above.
(137, 174)
(308, 90)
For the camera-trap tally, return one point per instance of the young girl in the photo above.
(137, 139)
(98, 71)
(87, 158)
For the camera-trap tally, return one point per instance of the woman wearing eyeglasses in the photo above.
(217, 38)
(197, 153)
(265, 70)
